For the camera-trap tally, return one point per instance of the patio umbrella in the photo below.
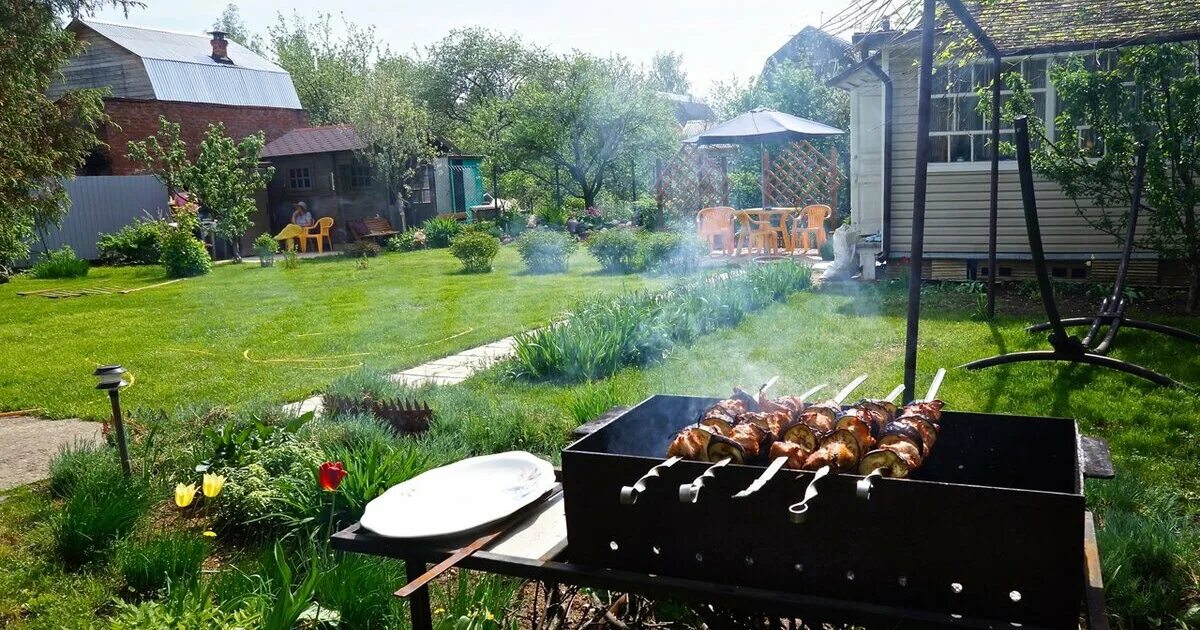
(761, 126)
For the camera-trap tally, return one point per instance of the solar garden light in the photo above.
(112, 379)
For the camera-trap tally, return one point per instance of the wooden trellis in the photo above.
(798, 174)
(695, 177)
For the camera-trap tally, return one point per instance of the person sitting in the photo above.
(301, 216)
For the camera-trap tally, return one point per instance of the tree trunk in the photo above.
(1193, 286)
(589, 197)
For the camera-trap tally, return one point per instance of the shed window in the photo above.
(299, 178)
(959, 133)
(423, 190)
(360, 175)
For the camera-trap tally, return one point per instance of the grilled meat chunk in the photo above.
(931, 409)
(922, 426)
(821, 417)
(748, 401)
(907, 451)
(835, 454)
(794, 453)
(691, 443)
(751, 437)
(854, 422)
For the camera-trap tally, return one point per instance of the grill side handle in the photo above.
(1097, 459)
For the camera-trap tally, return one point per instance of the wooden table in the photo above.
(535, 548)
(768, 214)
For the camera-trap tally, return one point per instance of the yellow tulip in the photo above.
(213, 484)
(185, 494)
(210, 533)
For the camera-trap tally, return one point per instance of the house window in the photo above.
(360, 175)
(958, 132)
(423, 190)
(299, 178)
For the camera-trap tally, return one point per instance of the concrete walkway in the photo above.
(28, 444)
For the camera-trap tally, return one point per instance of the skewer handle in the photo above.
(629, 494)
(768, 384)
(762, 480)
(797, 511)
(813, 390)
(895, 393)
(690, 492)
(863, 488)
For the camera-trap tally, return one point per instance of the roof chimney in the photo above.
(220, 47)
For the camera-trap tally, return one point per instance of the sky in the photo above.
(718, 39)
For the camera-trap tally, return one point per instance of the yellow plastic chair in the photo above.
(760, 234)
(716, 223)
(291, 232)
(814, 217)
(319, 231)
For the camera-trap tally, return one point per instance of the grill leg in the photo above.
(1092, 359)
(1093, 593)
(418, 602)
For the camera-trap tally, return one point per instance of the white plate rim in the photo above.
(540, 484)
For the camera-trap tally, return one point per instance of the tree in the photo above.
(396, 127)
(1109, 104)
(327, 71)
(667, 75)
(587, 116)
(45, 141)
(231, 23)
(225, 177)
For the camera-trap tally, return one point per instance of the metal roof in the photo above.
(181, 69)
(308, 140)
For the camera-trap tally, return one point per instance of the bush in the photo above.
(545, 251)
(476, 250)
(139, 243)
(491, 228)
(826, 250)
(60, 263)
(671, 252)
(362, 249)
(182, 253)
(551, 215)
(407, 241)
(77, 462)
(272, 489)
(265, 245)
(101, 509)
(616, 250)
(439, 231)
(607, 334)
(152, 564)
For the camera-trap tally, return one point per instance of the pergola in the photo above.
(1006, 28)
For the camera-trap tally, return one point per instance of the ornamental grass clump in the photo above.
(101, 509)
(150, 564)
(604, 335)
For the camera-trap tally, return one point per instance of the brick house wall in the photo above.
(138, 119)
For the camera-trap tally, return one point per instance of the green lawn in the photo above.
(244, 333)
(1148, 518)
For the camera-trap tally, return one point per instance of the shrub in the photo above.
(545, 251)
(476, 250)
(616, 250)
(551, 215)
(151, 564)
(670, 252)
(76, 462)
(439, 231)
(826, 250)
(407, 241)
(362, 249)
(490, 228)
(273, 489)
(101, 509)
(182, 253)
(265, 246)
(139, 243)
(291, 260)
(607, 334)
(60, 263)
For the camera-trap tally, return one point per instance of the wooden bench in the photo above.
(374, 227)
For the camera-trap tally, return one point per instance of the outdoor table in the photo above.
(534, 547)
(768, 215)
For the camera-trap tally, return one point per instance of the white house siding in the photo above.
(956, 224)
(866, 157)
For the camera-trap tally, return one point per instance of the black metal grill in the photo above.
(989, 531)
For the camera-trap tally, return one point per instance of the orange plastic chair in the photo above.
(291, 232)
(814, 223)
(319, 231)
(760, 234)
(716, 223)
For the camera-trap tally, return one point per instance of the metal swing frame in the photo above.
(1092, 349)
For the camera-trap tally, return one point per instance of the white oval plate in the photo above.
(459, 497)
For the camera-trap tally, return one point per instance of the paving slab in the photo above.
(27, 444)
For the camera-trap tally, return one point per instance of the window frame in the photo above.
(422, 192)
(293, 177)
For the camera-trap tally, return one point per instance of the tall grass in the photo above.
(101, 509)
(151, 564)
(76, 462)
(605, 335)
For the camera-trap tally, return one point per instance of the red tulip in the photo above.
(330, 476)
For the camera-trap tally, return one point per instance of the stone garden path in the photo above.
(28, 444)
